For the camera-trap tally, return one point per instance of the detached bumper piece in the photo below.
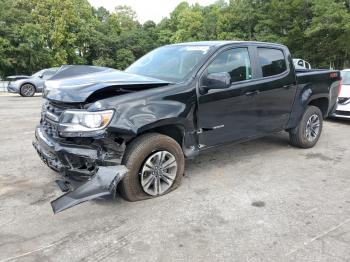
(85, 175)
(103, 183)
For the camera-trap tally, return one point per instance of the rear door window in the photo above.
(272, 61)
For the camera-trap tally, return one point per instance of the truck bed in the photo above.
(319, 81)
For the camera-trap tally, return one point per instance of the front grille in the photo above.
(56, 108)
(343, 113)
(50, 128)
(50, 115)
(343, 100)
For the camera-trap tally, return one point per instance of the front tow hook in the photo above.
(103, 183)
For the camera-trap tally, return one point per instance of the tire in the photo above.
(300, 136)
(138, 153)
(27, 90)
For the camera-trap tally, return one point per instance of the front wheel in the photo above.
(27, 90)
(307, 133)
(156, 166)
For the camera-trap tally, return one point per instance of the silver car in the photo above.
(343, 107)
(29, 85)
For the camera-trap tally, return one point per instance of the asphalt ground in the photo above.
(258, 201)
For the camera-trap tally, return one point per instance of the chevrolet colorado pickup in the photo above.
(106, 130)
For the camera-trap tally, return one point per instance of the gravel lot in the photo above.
(258, 201)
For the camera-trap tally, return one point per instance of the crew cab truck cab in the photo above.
(174, 103)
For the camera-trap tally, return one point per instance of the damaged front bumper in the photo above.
(67, 159)
(84, 175)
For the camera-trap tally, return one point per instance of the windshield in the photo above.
(37, 74)
(346, 77)
(170, 63)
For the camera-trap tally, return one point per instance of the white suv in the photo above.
(301, 64)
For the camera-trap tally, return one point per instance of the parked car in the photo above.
(16, 77)
(174, 103)
(301, 64)
(343, 107)
(29, 85)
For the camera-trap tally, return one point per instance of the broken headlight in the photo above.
(83, 123)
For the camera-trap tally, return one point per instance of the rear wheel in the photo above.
(307, 133)
(156, 166)
(27, 90)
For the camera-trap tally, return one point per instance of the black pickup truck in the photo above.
(106, 130)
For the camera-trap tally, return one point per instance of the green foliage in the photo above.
(331, 23)
(124, 57)
(238, 20)
(35, 34)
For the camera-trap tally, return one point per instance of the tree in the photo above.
(328, 36)
(211, 14)
(190, 25)
(124, 58)
(35, 34)
(68, 27)
(238, 20)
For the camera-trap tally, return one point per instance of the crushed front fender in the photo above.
(103, 183)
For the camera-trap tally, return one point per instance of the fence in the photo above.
(3, 86)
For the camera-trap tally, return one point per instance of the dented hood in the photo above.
(76, 84)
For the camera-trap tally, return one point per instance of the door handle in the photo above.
(288, 86)
(253, 93)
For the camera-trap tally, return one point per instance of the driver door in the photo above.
(228, 114)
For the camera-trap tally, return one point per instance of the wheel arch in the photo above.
(303, 100)
(322, 103)
(175, 131)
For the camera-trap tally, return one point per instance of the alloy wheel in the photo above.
(28, 90)
(312, 127)
(158, 173)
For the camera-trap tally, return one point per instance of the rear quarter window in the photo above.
(272, 61)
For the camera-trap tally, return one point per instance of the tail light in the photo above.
(340, 85)
(333, 75)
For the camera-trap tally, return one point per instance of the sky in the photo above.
(147, 9)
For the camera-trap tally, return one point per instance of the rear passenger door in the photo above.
(277, 88)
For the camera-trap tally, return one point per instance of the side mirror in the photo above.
(41, 76)
(220, 80)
